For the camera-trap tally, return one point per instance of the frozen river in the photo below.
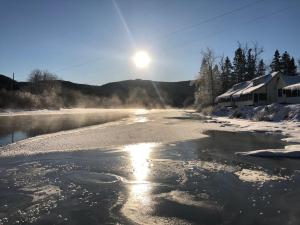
(198, 181)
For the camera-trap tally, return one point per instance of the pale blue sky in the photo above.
(88, 42)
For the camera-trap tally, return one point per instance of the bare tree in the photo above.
(208, 83)
(35, 76)
(42, 80)
(257, 51)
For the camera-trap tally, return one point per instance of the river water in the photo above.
(19, 127)
(193, 182)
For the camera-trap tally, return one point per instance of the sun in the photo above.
(141, 59)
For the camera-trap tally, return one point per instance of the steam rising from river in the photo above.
(64, 98)
(28, 124)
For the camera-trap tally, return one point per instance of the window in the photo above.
(249, 97)
(255, 98)
(279, 92)
(262, 97)
(294, 93)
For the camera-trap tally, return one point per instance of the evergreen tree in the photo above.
(276, 64)
(226, 74)
(217, 81)
(292, 68)
(285, 62)
(261, 68)
(239, 66)
(250, 66)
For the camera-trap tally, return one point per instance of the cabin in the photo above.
(263, 90)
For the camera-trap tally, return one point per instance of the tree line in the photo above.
(218, 74)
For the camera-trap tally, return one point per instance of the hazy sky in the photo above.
(92, 41)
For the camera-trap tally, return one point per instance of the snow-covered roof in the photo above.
(290, 80)
(292, 87)
(252, 88)
(264, 79)
(240, 92)
(235, 88)
(247, 87)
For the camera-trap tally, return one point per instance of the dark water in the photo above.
(194, 182)
(15, 128)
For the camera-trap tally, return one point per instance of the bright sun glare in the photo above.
(141, 59)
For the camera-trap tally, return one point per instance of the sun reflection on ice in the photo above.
(140, 116)
(140, 156)
(139, 202)
(141, 112)
(140, 119)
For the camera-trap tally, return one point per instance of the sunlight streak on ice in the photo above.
(139, 112)
(139, 203)
(139, 156)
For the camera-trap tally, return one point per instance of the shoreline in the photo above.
(60, 111)
(160, 126)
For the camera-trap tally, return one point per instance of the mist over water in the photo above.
(19, 127)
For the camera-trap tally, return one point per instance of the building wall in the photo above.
(242, 103)
(272, 90)
(282, 99)
(262, 90)
(225, 104)
(281, 85)
(292, 100)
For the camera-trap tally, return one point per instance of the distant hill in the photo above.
(177, 94)
(7, 83)
(129, 93)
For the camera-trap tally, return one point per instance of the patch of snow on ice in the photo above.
(256, 176)
(272, 153)
(185, 198)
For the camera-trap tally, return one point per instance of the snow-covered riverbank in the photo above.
(269, 118)
(273, 112)
(290, 129)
